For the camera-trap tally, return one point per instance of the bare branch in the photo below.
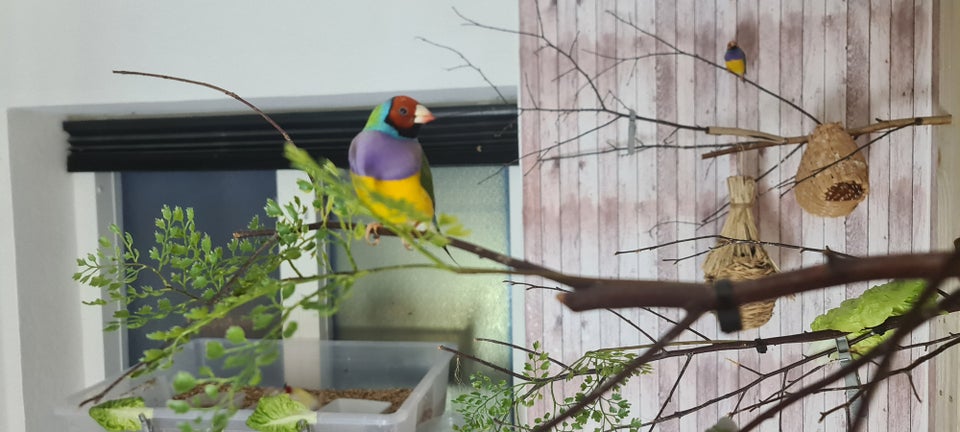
(697, 57)
(468, 64)
(731, 240)
(253, 107)
(627, 371)
(854, 132)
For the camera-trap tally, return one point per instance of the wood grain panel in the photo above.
(844, 61)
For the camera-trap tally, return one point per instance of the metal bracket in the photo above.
(303, 426)
(852, 380)
(145, 425)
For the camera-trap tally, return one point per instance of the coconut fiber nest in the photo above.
(741, 261)
(833, 177)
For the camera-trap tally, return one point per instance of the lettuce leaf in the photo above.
(279, 413)
(120, 414)
(871, 309)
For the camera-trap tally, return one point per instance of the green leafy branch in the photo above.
(495, 405)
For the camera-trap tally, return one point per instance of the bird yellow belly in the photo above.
(395, 201)
(738, 67)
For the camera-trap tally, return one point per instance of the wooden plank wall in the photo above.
(843, 61)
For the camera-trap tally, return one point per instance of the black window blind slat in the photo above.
(461, 135)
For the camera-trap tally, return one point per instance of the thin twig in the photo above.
(854, 132)
(462, 354)
(617, 314)
(469, 64)
(673, 389)
(697, 57)
(524, 349)
(726, 241)
(628, 370)
(794, 182)
(253, 107)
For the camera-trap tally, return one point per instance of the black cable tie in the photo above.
(727, 311)
(761, 346)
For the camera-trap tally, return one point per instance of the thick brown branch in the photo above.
(598, 293)
(910, 321)
(624, 293)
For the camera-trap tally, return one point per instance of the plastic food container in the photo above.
(306, 363)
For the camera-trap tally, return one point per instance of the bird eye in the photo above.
(402, 111)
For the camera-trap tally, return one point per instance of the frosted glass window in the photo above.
(432, 305)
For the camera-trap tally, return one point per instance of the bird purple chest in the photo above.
(734, 54)
(383, 157)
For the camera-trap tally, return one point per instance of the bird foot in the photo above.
(373, 236)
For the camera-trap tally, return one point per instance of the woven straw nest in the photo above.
(742, 261)
(826, 185)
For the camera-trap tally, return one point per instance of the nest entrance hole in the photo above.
(846, 191)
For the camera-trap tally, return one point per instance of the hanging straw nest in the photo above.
(826, 187)
(741, 261)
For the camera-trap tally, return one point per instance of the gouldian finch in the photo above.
(389, 170)
(736, 59)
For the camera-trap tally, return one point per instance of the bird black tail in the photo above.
(451, 256)
(445, 249)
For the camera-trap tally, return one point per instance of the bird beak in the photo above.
(422, 115)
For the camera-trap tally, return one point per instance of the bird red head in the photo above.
(732, 45)
(405, 112)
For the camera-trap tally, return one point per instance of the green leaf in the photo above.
(197, 313)
(262, 320)
(211, 390)
(305, 185)
(279, 414)
(290, 330)
(206, 244)
(152, 354)
(272, 209)
(256, 378)
(235, 335)
(871, 309)
(287, 290)
(157, 335)
(178, 406)
(120, 414)
(215, 350)
(254, 223)
(183, 382)
(205, 371)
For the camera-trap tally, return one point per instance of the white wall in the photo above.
(61, 53)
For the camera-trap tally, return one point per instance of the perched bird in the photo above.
(389, 170)
(736, 59)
